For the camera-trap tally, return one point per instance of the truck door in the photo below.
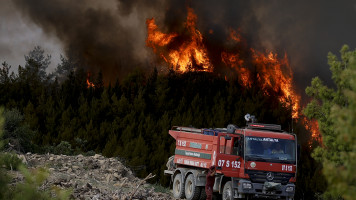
(228, 159)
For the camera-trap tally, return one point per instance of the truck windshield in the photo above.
(270, 149)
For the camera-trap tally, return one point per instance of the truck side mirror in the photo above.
(298, 152)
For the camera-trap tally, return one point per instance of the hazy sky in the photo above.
(19, 35)
(111, 34)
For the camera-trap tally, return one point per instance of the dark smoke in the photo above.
(305, 30)
(107, 35)
(110, 35)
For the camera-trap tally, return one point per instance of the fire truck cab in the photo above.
(259, 160)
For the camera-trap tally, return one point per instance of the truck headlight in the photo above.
(290, 189)
(246, 185)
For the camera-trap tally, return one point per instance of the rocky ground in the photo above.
(91, 177)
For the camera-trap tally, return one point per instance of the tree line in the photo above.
(130, 119)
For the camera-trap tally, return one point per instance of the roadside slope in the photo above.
(91, 177)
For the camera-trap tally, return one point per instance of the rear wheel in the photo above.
(217, 196)
(202, 193)
(178, 187)
(227, 191)
(192, 192)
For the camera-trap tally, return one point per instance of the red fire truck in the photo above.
(259, 160)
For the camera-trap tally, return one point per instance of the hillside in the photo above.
(90, 177)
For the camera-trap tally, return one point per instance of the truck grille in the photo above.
(261, 176)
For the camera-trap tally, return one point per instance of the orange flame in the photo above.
(186, 52)
(189, 55)
(313, 127)
(89, 83)
(155, 37)
(271, 73)
(233, 60)
(277, 74)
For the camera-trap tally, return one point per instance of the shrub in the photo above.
(159, 188)
(90, 153)
(63, 148)
(16, 132)
(10, 161)
(29, 188)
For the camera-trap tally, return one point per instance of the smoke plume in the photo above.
(110, 35)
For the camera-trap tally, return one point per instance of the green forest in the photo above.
(58, 113)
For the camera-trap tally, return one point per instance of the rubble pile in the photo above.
(92, 177)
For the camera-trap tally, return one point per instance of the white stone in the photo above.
(101, 162)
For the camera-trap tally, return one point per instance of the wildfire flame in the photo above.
(189, 55)
(89, 83)
(313, 127)
(186, 51)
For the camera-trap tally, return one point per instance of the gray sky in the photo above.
(19, 35)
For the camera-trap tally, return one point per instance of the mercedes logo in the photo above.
(270, 176)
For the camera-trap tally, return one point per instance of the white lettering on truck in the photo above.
(232, 164)
(288, 168)
(182, 143)
(192, 163)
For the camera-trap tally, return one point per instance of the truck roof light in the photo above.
(273, 127)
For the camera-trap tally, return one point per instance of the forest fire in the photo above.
(190, 54)
(313, 127)
(272, 73)
(89, 83)
(187, 51)
(315, 133)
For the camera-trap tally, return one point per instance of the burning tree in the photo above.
(188, 51)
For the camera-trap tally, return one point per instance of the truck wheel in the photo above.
(216, 196)
(227, 191)
(202, 193)
(178, 187)
(192, 192)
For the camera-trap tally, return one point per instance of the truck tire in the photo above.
(217, 196)
(192, 192)
(178, 187)
(202, 193)
(227, 191)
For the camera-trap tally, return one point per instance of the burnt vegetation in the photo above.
(131, 117)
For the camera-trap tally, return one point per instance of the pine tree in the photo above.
(335, 110)
(5, 83)
(66, 131)
(139, 156)
(111, 146)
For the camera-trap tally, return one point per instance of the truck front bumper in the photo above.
(270, 190)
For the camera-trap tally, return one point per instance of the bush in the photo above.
(4, 181)
(10, 161)
(16, 132)
(29, 188)
(159, 188)
(44, 149)
(63, 148)
(90, 153)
